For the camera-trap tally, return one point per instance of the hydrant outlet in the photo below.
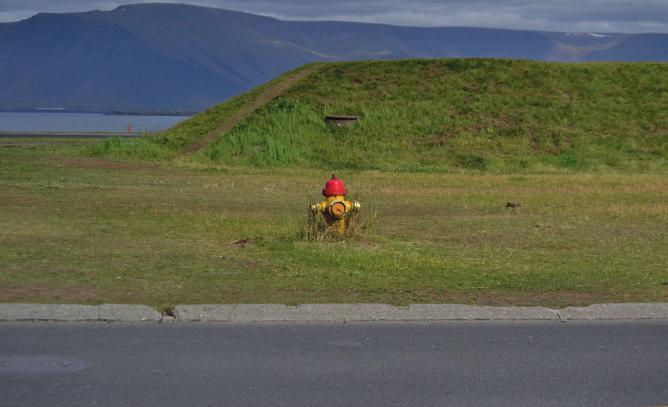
(337, 209)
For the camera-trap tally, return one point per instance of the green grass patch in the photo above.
(480, 114)
(487, 115)
(140, 148)
(169, 143)
(442, 147)
(75, 228)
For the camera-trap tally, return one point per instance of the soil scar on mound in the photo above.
(261, 100)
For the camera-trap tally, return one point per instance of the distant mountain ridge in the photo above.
(169, 57)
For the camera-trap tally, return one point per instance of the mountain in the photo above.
(169, 57)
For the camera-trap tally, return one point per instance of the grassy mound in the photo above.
(479, 114)
(172, 142)
(439, 115)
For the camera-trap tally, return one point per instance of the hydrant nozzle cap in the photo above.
(333, 187)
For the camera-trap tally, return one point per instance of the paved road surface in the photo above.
(354, 364)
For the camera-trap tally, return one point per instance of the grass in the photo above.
(442, 148)
(170, 143)
(440, 115)
(75, 228)
(489, 115)
(145, 148)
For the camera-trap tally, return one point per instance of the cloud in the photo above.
(549, 15)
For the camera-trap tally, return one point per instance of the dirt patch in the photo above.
(264, 98)
(535, 143)
(436, 140)
(243, 242)
(434, 71)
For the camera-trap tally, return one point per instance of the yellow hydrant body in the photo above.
(335, 208)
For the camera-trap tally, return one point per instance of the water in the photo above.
(84, 122)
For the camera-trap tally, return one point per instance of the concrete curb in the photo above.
(73, 312)
(616, 311)
(357, 312)
(327, 312)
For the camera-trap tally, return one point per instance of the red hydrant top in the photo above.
(333, 187)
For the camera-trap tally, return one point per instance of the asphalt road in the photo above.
(364, 364)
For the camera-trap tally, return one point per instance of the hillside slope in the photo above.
(178, 57)
(438, 115)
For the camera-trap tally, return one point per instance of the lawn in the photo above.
(82, 229)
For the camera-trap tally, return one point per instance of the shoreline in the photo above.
(67, 134)
(111, 113)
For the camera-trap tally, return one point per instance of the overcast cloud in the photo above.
(551, 15)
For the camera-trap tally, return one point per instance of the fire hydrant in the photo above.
(335, 208)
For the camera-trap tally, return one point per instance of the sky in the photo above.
(630, 16)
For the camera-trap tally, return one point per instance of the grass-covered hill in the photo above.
(439, 115)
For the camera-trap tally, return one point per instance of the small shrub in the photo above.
(472, 161)
(315, 229)
(567, 160)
